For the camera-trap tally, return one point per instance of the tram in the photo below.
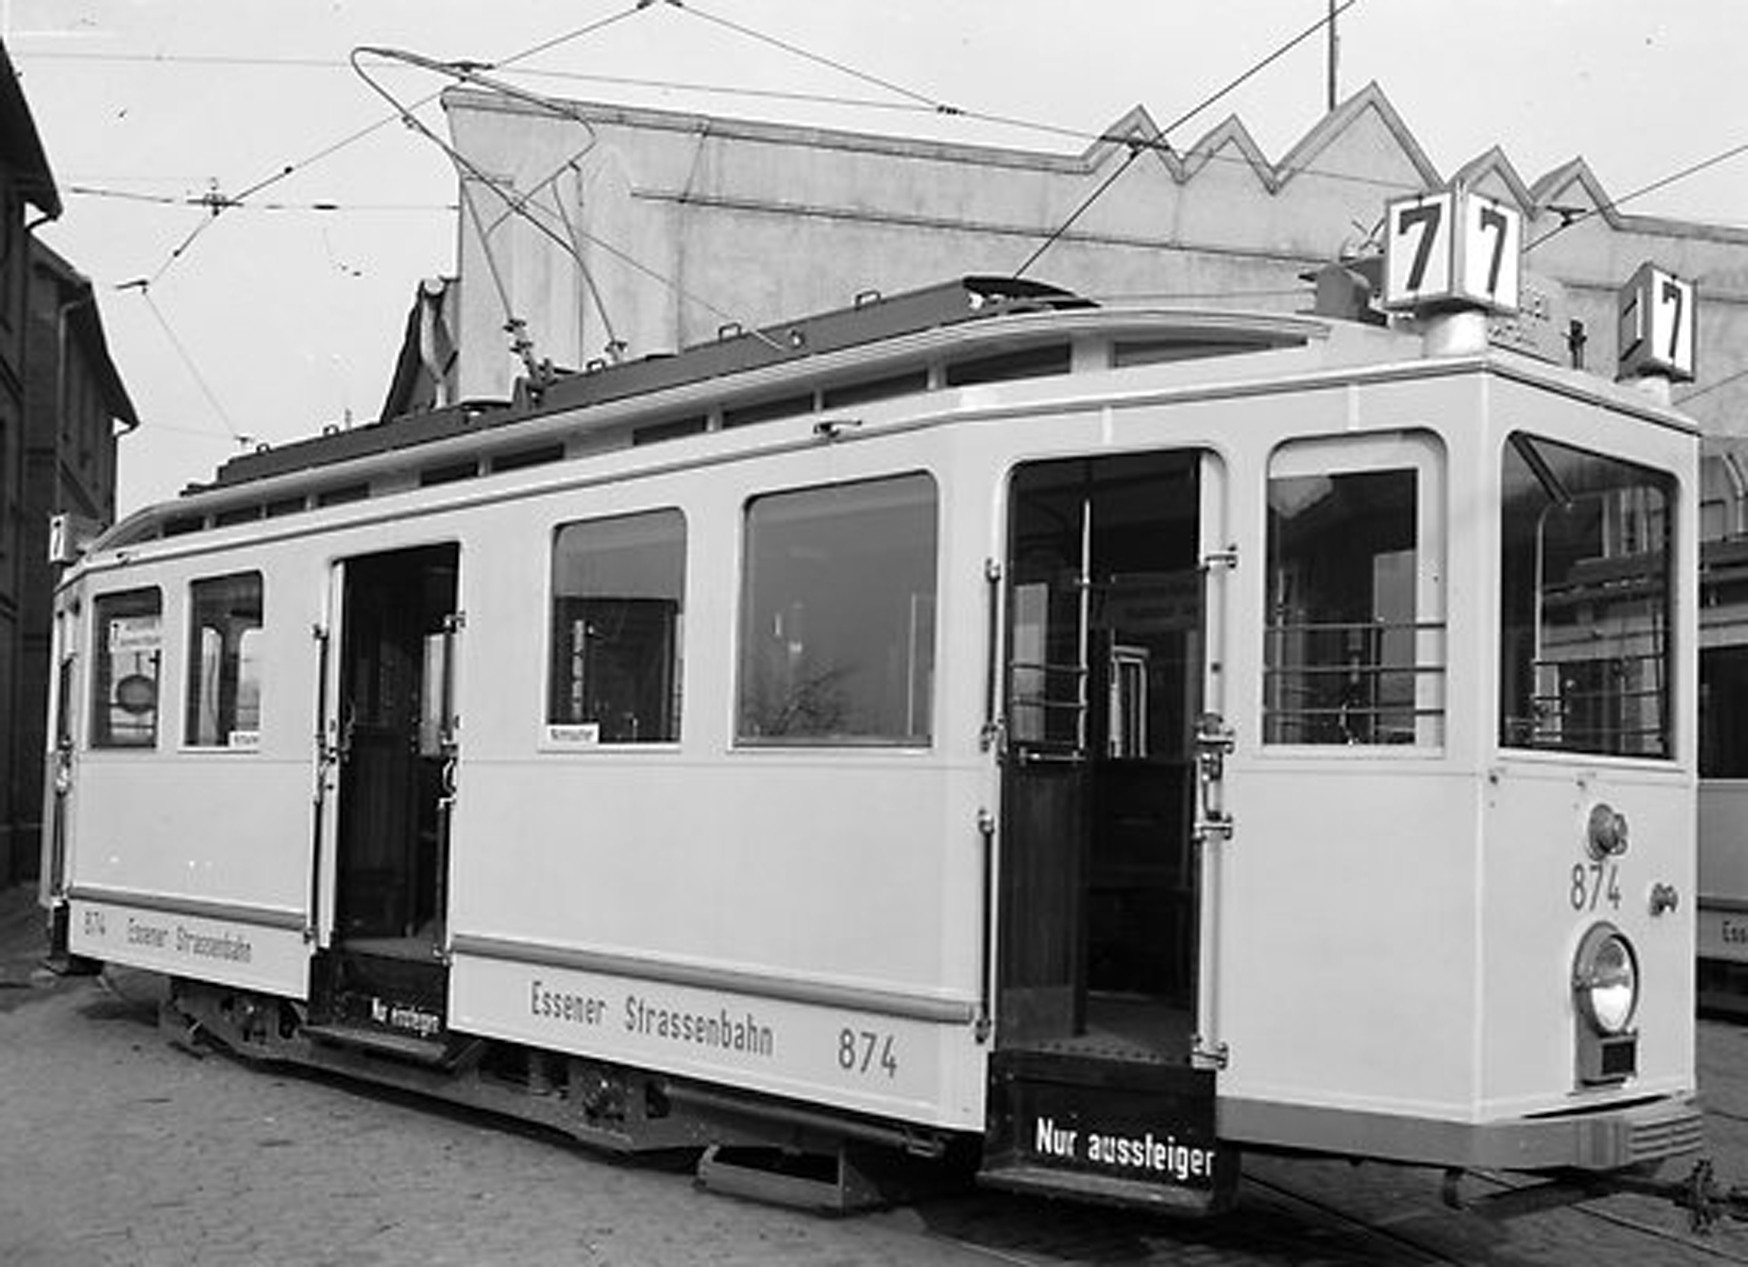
(1092, 742)
(1723, 706)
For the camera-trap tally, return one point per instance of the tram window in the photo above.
(1004, 366)
(452, 473)
(1585, 654)
(1723, 712)
(1356, 620)
(1125, 353)
(224, 662)
(838, 615)
(343, 494)
(236, 515)
(521, 459)
(617, 586)
(126, 662)
(656, 432)
(768, 410)
(865, 391)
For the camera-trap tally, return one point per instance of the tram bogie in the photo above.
(1096, 740)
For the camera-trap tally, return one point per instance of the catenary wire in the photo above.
(1663, 183)
(145, 289)
(521, 206)
(1135, 147)
(915, 103)
(915, 100)
(185, 200)
(289, 169)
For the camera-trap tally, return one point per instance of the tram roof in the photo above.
(883, 342)
(872, 318)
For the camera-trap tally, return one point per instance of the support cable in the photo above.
(350, 138)
(1137, 145)
(144, 286)
(518, 206)
(1691, 170)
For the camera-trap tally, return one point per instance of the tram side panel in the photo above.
(1545, 890)
(194, 781)
(774, 928)
(1723, 872)
(797, 919)
(1349, 947)
(1723, 789)
(1413, 909)
(1589, 811)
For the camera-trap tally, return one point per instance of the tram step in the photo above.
(813, 1181)
(422, 1051)
(1140, 1134)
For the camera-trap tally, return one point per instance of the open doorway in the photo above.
(396, 747)
(1105, 638)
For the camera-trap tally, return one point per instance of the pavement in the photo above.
(22, 942)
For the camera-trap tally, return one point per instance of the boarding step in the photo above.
(1131, 1133)
(432, 1052)
(822, 1181)
(395, 1006)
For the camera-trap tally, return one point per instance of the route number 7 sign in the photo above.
(1452, 249)
(1656, 325)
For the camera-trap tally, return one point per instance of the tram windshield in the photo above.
(1585, 573)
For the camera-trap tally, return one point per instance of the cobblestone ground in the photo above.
(118, 1148)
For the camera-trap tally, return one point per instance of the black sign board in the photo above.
(1134, 1133)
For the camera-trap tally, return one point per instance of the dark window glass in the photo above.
(768, 410)
(1028, 363)
(452, 473)
(1585, 654)
(236, 515)
(838, 614)
(907, 384)
(524, 458)
(1723, 712)
(617, 586)
(1160, 351)
(224, 662)
(1351, 658)
(127, 656)
(656, 432)
(340, 496)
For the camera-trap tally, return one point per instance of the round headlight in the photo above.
(1605, 979)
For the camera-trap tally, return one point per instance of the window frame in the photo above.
(1668, 485)
(577, 736)
(1424, 452)
(236, 739)
(100, 737)
(741, 737)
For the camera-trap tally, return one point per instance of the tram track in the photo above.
(1704, 1244)
(1283, 1221)
(1420, 1251)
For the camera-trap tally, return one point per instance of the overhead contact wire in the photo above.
(1137, 145)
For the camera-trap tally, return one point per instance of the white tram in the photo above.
(1723, 789)
(1095, 740)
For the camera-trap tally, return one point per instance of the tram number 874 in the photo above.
(1591, 882)
(862, 1051)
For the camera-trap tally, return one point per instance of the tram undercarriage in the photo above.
(746, 1145)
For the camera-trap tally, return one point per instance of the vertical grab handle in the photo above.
(990, 736)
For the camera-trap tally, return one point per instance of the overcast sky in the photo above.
(282, 314)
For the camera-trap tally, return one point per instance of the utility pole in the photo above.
(1334, 56)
